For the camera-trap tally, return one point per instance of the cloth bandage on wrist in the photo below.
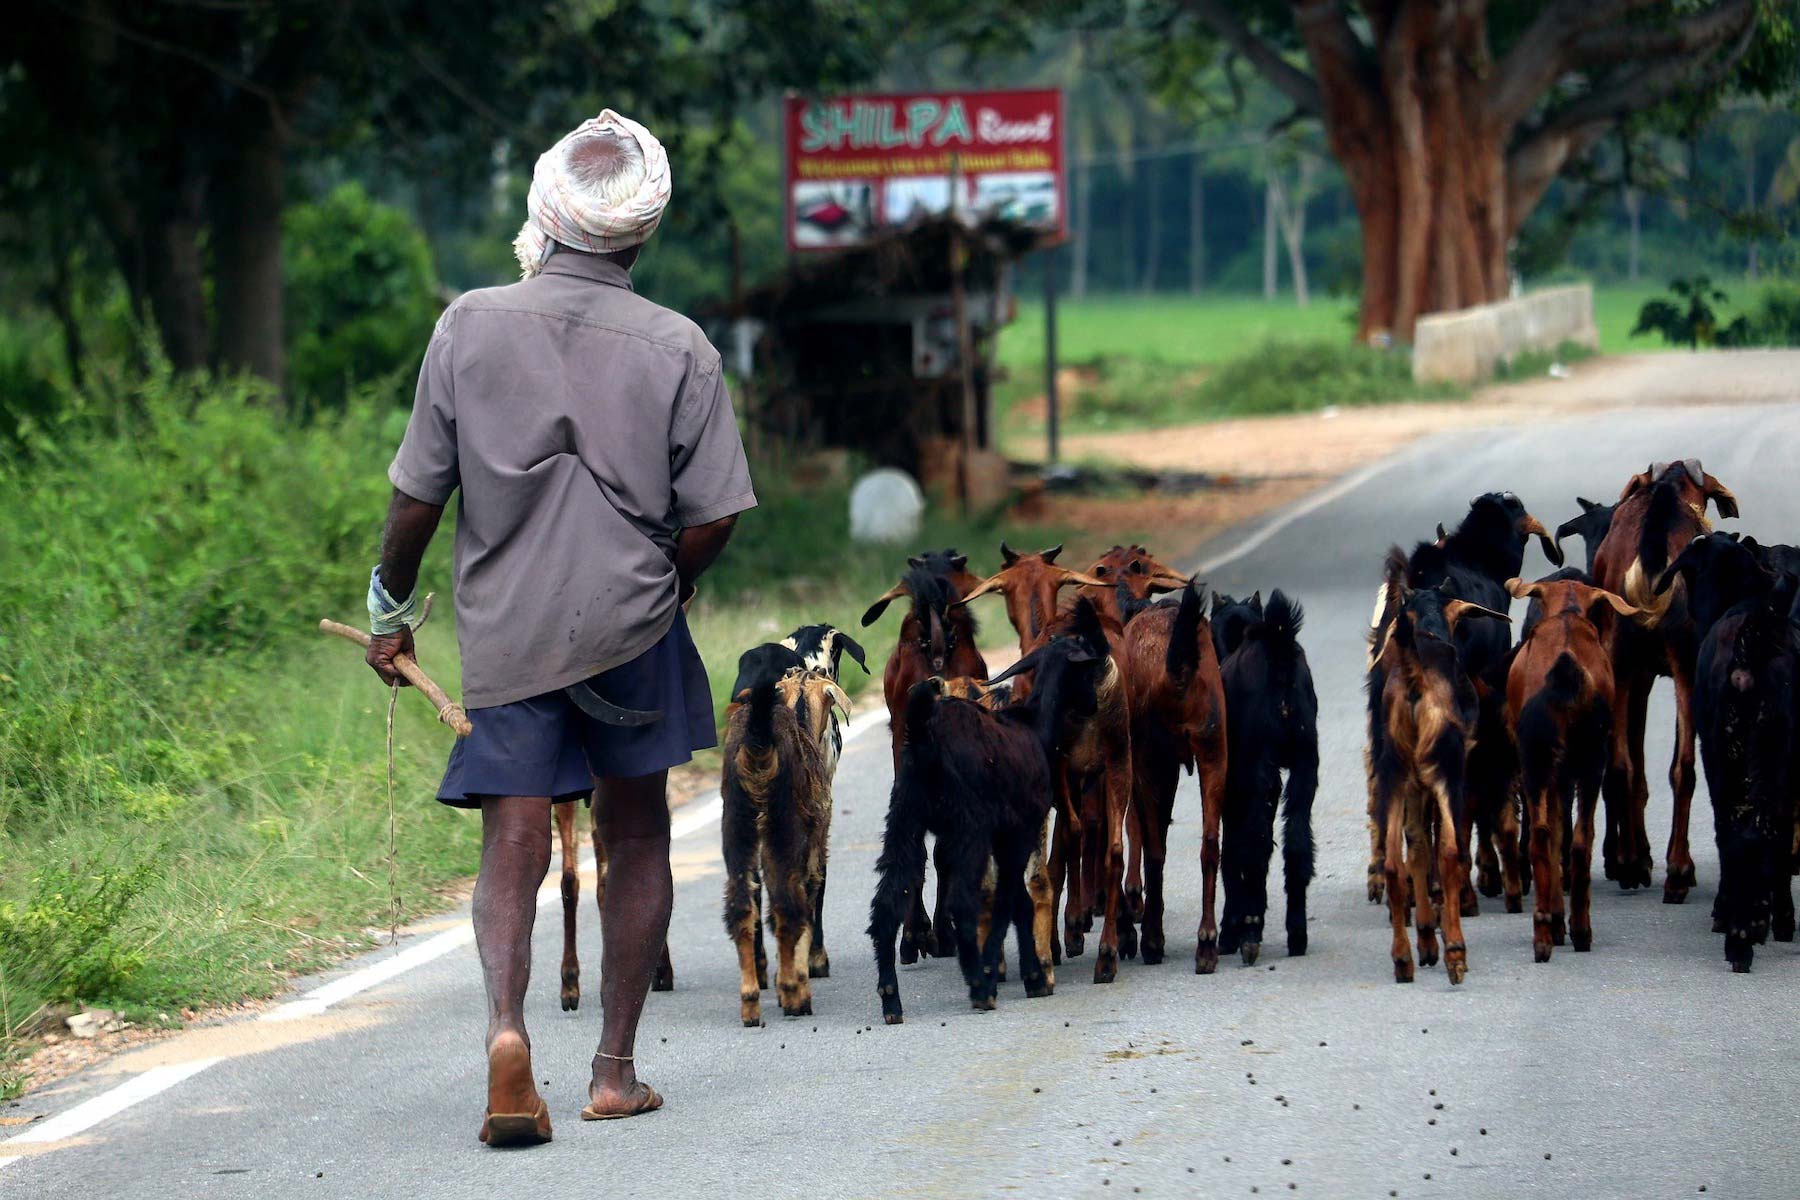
(387, 615)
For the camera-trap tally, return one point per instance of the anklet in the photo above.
(615, 1057)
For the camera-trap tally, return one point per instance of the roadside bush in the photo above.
(361, 295)
(1775, 319)
(1281, 376)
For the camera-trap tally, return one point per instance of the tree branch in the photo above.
(1543, 53)
(1290, 80)
(1644, 87)
(1684, 35)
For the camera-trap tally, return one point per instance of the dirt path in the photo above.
(1328, 443)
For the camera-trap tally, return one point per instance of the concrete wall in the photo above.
(1465, 346)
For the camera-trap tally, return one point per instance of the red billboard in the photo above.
(858, 164)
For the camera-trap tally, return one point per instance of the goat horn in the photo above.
(1078, 577)
(1456, 610)
(1518, 589)
(838, 696)
(1166, 579)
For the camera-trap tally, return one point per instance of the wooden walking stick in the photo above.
(449, 711)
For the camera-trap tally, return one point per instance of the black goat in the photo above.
(1272, 725)
(1744, 706)
(980, 781)
(1473, 564)
(1590, 527)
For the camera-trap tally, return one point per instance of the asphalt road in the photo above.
(1643, 1069)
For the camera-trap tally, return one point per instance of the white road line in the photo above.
(88, 1114)
(691, 819)
(1307, 507)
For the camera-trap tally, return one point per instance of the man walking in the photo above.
(601, 471)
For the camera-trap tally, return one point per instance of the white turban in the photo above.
(564, 208)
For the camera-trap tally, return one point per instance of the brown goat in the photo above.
(1092, 774)
(1559, 692)
(937, 638)
(776, 830)
(1424, 721)
(570, 841)
(1659, 512)
(1177, 719)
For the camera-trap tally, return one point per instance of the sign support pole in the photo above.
(965, 347)
(1052, 410)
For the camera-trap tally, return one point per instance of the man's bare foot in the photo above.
(616, 1092)
(517, 1115)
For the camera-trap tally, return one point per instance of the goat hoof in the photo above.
(750, 1012)
(1428, 946)
(1403, 970)
(1206, 956)
(892, 1016)
(1582, 940)
(1036, 991)
(1682, 876)
(983, 1002)
(1134, 904)
(1249, 952)
(1296, 943)
(1515, 904)
(1559, 929)
(802, 1009)
(1457, 972)
(1128, 941)
(1674, 893)
(1377, 888)
(820, 969)
(1471, 907)
(571, 998)
(664, 982)
(1540, 952)
(1056, 954)
(1074, 944)
(1150, 951)
(1490, 886)
(1228, 937)
(909, 951)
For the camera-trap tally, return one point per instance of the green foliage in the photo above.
(1775, 320)
(67, 940)
(1532, 363)
(1690, 318)
(361, 294)
(1283, 375)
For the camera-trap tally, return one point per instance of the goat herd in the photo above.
(1482, 753)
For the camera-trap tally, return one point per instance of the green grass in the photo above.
(1201, 329)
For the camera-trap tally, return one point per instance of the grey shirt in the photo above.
(585, 426)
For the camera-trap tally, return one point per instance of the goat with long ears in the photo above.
(1029, 583)
(1660, 511)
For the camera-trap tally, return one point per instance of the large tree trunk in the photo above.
(174, 287)
(1428, 175)
(246, 239)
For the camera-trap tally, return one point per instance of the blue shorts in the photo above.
(545, 746)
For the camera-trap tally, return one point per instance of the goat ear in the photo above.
(1518, 589)
(1638, 483)
(1163, 579)
(1573, 524)
(880, 606)
(1008, 556)
(1456, 610)
(838, 697)
(1027, 663)
(1049, 556)
(914, 561)
(1721, 497)
(1535, 528)
(959, 562)
(1402, 632)
(1256, 600)
(1442, 536)
(855, 650)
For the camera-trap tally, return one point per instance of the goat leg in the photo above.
(571, 899)
(1679, 879)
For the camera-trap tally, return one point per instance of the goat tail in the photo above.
(756, 762)
(1543, 719)
(1183, 655)
(900, 868)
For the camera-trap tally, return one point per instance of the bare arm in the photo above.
(410, 524)
(698, 548)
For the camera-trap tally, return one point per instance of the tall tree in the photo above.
(1451, 118)
(182, 119)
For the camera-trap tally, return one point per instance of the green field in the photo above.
(1214, 327)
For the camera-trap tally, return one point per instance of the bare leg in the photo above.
(515, 854)
(632, 818)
